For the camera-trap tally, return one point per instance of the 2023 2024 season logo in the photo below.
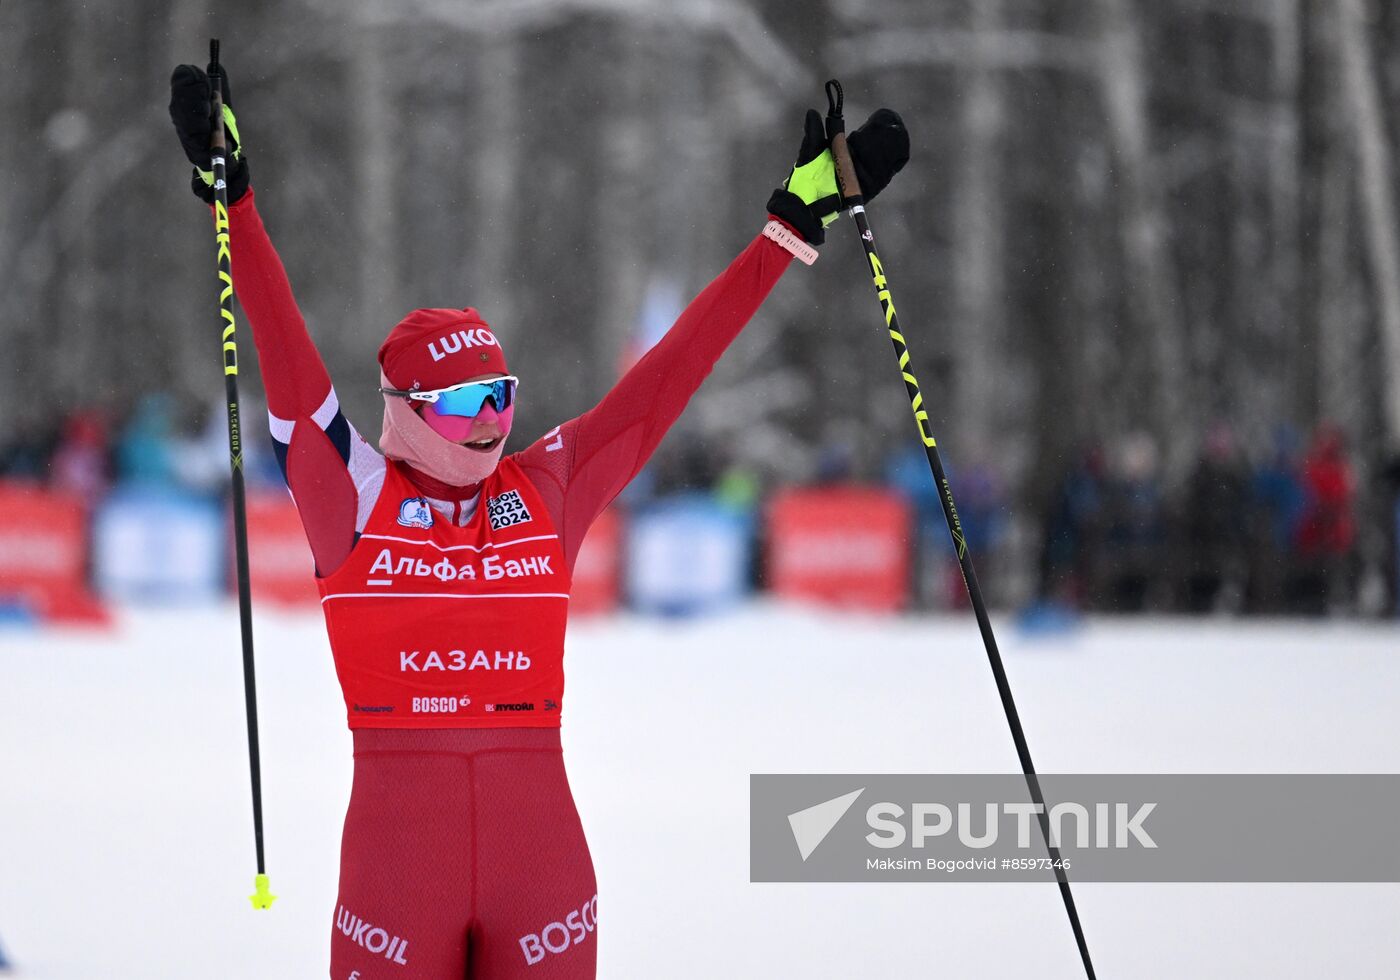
(507, 510)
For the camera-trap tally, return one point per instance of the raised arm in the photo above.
(333, 474)
(585, 463)
(292, 370)
(581, 466)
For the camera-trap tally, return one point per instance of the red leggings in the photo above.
(463, 859)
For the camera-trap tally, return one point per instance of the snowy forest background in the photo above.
(1125, 223)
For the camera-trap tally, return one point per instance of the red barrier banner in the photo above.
(279, 558)
(597, 570)
(844, 546)
(43, 554)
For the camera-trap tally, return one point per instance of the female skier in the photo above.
(444, 576)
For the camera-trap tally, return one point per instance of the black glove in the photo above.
(190, 111)
(879, 150)
(809, 199)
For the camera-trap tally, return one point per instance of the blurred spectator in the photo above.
(1212, 522)
(1277, 502)
(145, 450)
(980, 493)
(1072, 525)
(1328, 527)
(835, 461)
(1327, 530)
(691, 464)
(1388, 487)
(739, 488)
(983, 510)
(906, 472)
(1134, 531)
(201, 461)
(26, 456)
(80, 465)
(1281, 537)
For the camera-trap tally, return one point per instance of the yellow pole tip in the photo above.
(262, 897)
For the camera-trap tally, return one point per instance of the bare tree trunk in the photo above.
(76, 296)
(1089, 336)
(1377, 194)
(1150, 292)
(371, 105)
(1285, 198)
(1338, 361)
(188, 26)
(18, 26)
(497, 221)
(978, 220)
(1336, 330)
(623, 156)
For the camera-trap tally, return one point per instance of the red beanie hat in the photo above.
(437, 348)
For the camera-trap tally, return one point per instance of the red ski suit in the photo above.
(462, 854)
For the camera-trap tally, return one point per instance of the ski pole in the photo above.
(262, 896)
(851, 198)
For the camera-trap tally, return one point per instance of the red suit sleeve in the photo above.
(583, 464)
(321, 456)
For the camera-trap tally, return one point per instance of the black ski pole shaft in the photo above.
(852, 199)
(262, 897)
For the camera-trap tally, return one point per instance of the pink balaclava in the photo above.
(435, 349)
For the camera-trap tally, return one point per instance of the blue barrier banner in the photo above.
(688, 555)
(159, 546)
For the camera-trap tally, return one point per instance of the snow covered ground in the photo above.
(126, 850)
